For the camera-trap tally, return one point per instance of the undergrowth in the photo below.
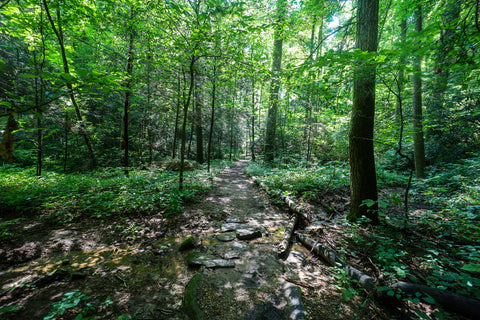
(98, 194)
(301, 181)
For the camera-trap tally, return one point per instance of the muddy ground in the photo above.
(132, 268)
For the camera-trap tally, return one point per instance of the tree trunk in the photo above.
(363, 180)
(212, 115)
(401, 70)
(65, 149)
(128, 94)
(177, 120)
(199, 117)
(252, 144)
(418, 142)
(59, 34)
(270, 148)
(186, 103)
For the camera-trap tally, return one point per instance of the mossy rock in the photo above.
(190, 298)
(188, 243)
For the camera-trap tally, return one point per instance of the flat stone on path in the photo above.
(233, 226)
(248, 234)
(197, 259)
(226, 237)
(233, 254)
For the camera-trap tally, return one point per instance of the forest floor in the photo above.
(132, 268)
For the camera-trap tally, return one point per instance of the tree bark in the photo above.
(177, 120)
(128, 94)
(212, 115)
(401, 71)
(199, 116)
(270, 148)
(363, 180)
(282, 248)
(186, 103)
(252, 144)
(418, 141)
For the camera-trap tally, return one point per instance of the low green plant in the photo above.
(5, 232)
(70, 300)
(344, 284)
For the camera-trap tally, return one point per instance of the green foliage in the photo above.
(344, 283)
(69, 300)
(5, 232)
(98, 194)
(9, 308)
(304, 181)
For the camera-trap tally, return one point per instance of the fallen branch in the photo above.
(367, 282)
(282, 247)
(299, 283)
(448, 300)
(296, 209)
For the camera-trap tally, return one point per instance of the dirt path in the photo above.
(255, 288)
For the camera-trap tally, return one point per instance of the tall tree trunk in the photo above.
(59, 34)
(148, 130)
(199, 116)
(252, 145)
(177, 120)
(186, 103)
(418, 142)
(275, 83)
(363, 179)
(65, 149)
(212, 115)
(401, 70)
(128, 94)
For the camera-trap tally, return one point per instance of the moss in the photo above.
(188, 243)
(190, 298)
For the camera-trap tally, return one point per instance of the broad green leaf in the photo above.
(472, 267)
(10, 308)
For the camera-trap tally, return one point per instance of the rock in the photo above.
(226, 237)
(196, 259)
(248, 234)
(233, 254)
(190, 297)
(188, 243)
(232, 226)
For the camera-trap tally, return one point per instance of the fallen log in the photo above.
(296, 209)
(282, 247)
(448, 300)
(367, 282)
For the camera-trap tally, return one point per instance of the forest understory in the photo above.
(127, 266)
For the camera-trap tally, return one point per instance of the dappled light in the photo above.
(233, 160)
